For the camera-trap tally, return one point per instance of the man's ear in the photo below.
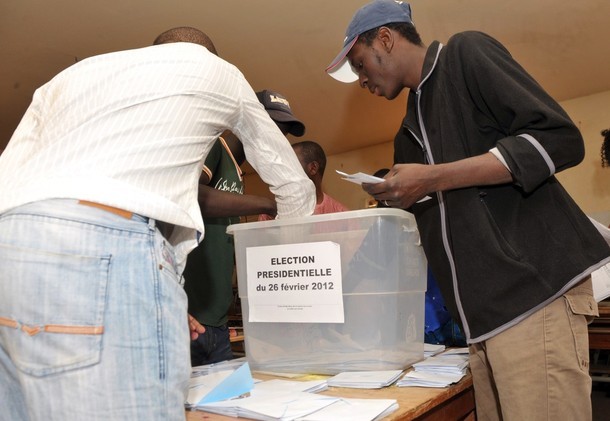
(386, 38)
(312, 168)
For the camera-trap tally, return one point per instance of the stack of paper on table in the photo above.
(426, 379)
(285, 386)
(271, 406)
(228, 388)
(288, 400)
(438, 371)
(459, 353)
(354, 410)
(365, 379)
(432, 349)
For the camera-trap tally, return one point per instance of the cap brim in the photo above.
(340, 68)
(297, 128)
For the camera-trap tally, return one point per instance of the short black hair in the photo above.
(407, 30)
(311, 151)
(186, 34)
(606, 148)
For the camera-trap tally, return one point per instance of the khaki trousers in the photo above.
(539, 368)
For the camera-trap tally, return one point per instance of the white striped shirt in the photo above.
(131, 129)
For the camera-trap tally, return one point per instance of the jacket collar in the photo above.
(434, 51)
(430, 61)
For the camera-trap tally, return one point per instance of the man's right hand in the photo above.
(195, 327)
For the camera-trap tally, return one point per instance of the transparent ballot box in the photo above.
(330, 293)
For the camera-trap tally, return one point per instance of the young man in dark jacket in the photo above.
(511, 250)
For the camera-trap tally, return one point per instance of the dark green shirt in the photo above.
(209, 268)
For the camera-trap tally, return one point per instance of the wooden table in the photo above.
(414, 403)
(599, 329)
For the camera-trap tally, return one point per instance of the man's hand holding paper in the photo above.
(401, 187)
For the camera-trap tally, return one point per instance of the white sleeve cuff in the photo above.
(498, 155)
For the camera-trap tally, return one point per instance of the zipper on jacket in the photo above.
(441, 200)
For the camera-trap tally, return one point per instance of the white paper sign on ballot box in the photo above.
(295, 283)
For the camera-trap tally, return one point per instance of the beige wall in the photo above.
(588, 183)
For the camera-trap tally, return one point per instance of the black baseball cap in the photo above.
(279, 110)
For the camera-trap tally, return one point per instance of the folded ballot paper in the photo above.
(354, 410)
(432, 349)
(365, 379)
(287, 386)
(284, 400)
(292, 400)
(360, 177)
(438, 371)
(217, 383)
(303, 406)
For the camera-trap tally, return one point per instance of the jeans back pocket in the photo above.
(52, 309)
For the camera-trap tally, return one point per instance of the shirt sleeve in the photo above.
(540, 139)
(272, 157)
(495, 152)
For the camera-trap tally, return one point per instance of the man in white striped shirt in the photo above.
(98, 210)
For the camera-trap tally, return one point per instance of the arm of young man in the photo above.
(405, 184)
(216, 203)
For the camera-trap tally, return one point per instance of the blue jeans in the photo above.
(93, 321)
(212, 346)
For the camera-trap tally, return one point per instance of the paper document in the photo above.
(354, 410)
(295, 283)
(440, 364)
(440, 370)
(601, 283)
(288, 400)
(219, 385)
(427, 379)
(431, 350)
(365, 379)
(265, 405)
(286, 386)
(456, 351)
(360, 177)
